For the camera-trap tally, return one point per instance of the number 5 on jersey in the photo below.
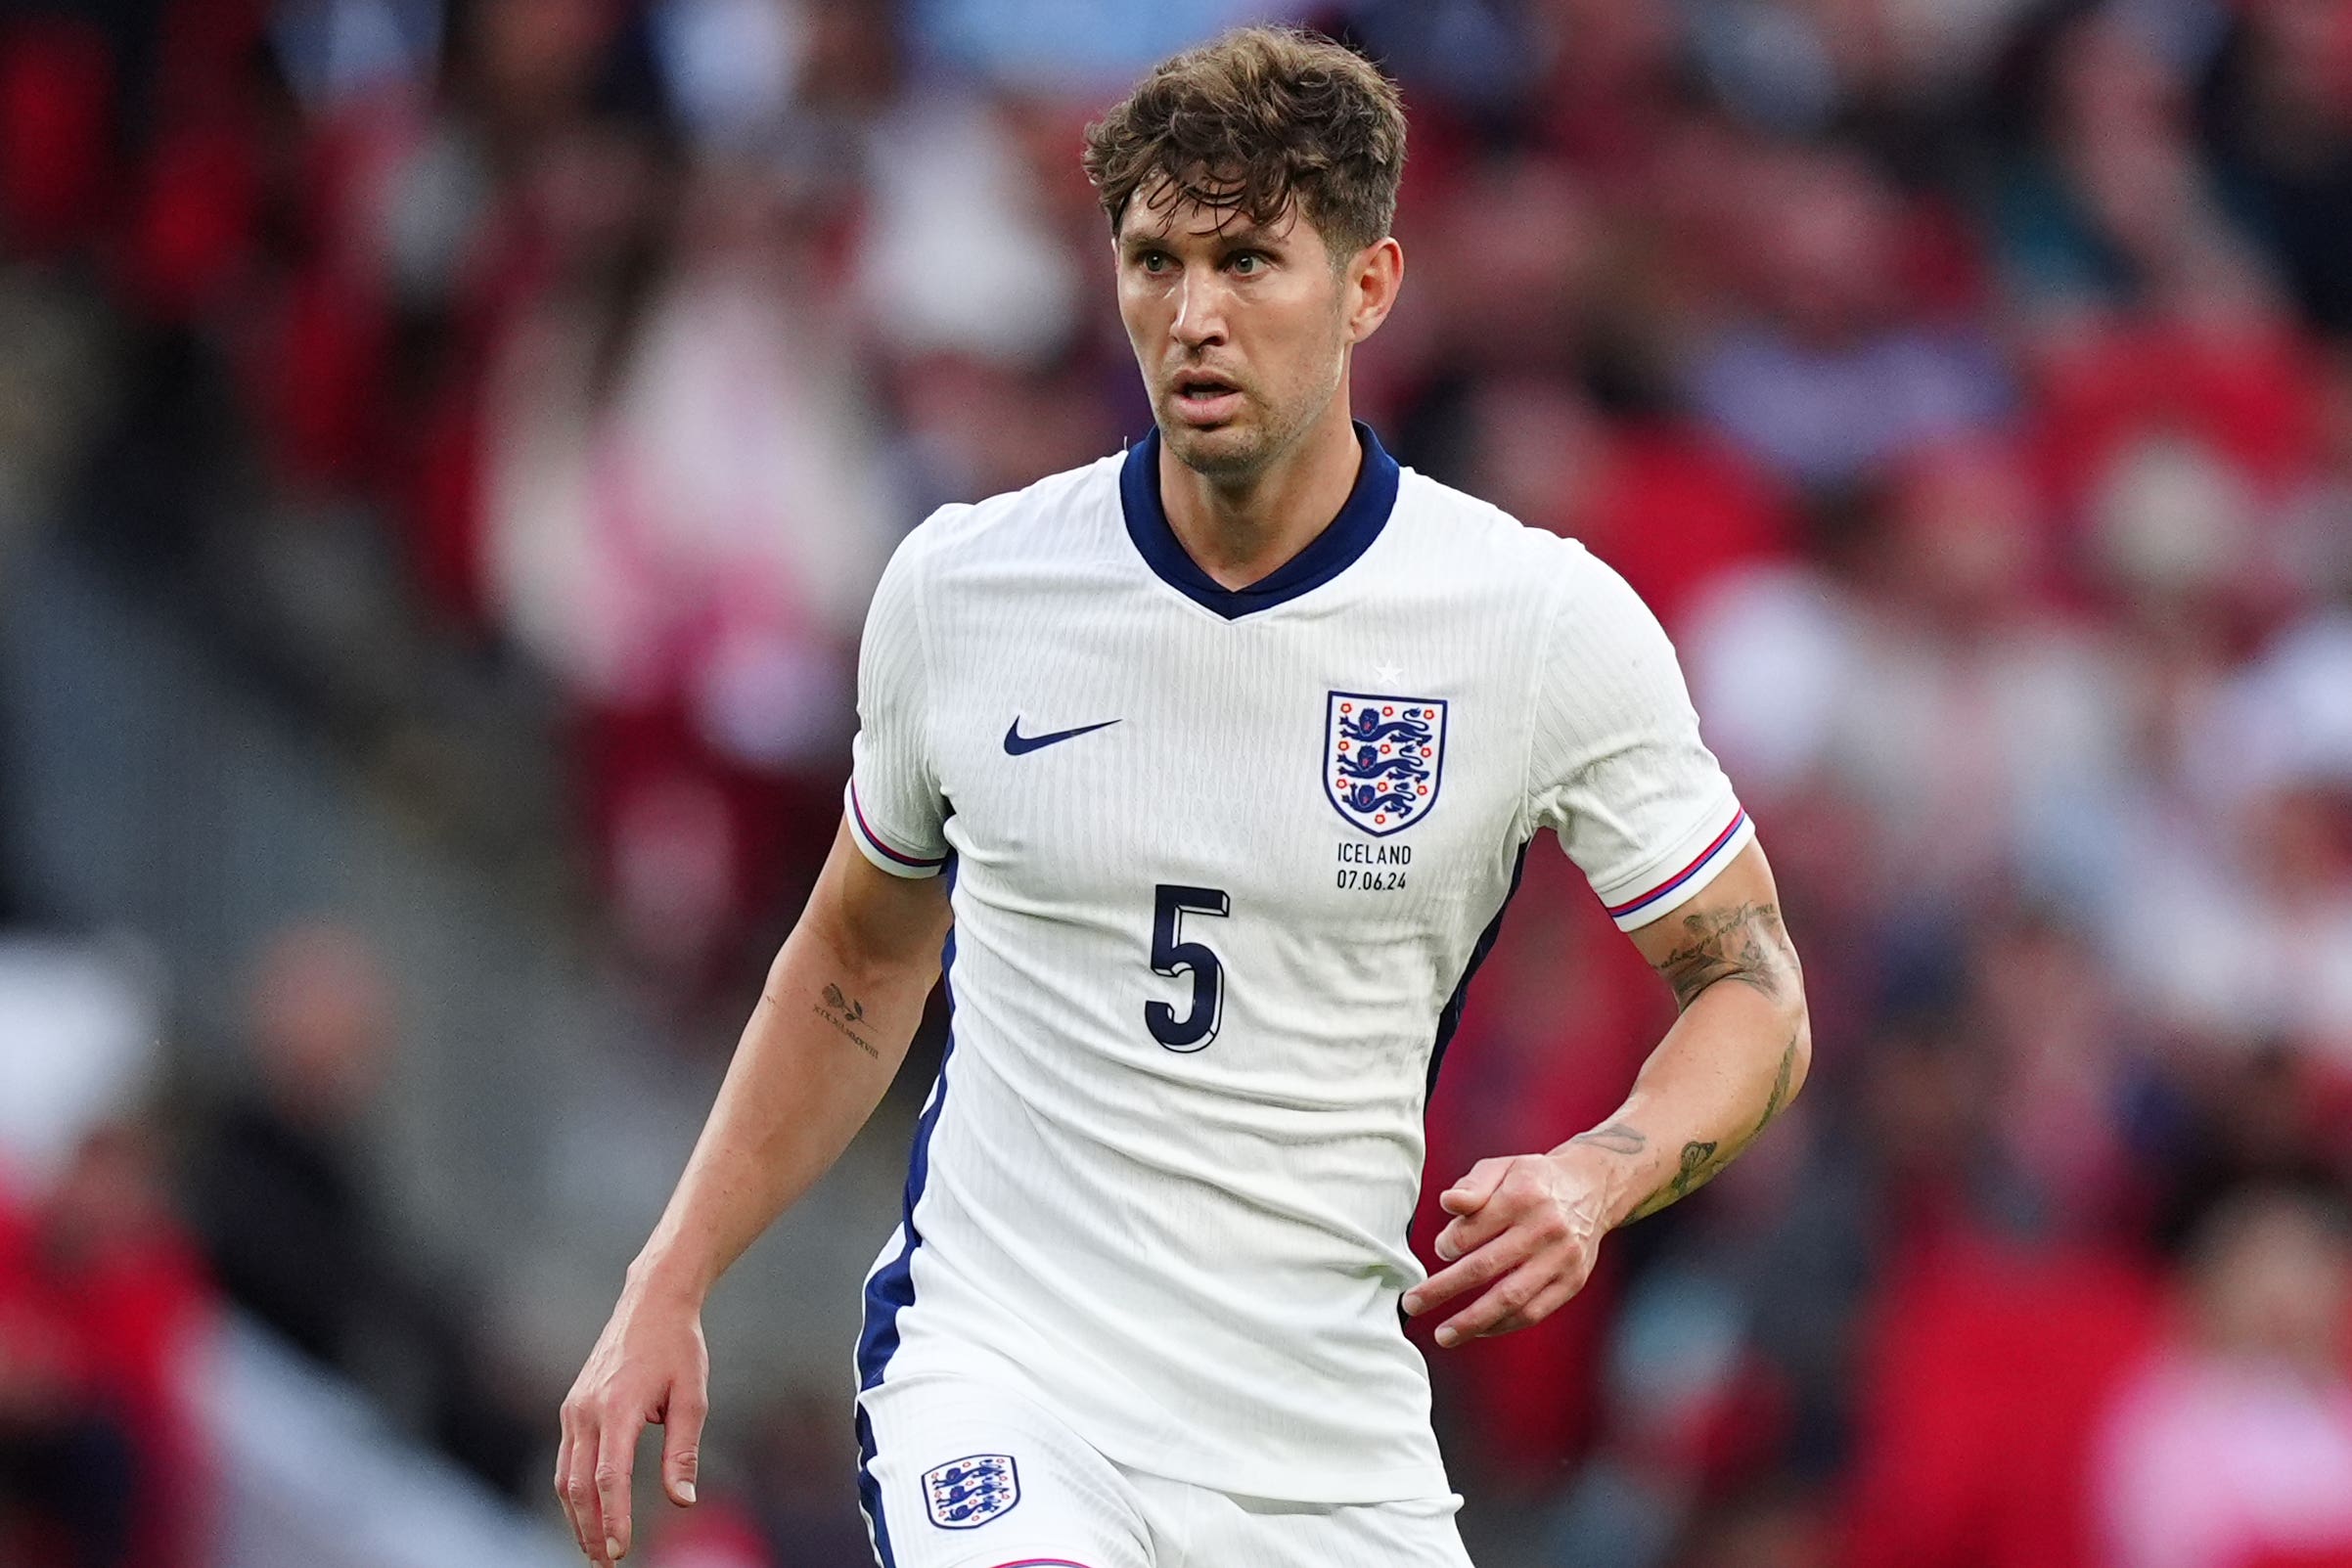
(1172, 957)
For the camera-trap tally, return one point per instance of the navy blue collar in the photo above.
(1327, 555)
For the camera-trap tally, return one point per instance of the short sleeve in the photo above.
(1615, 765)
(895, 810)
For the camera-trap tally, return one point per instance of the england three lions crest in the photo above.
(966, 1493)
(1382, 757)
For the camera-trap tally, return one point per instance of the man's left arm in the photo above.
(1526, 1229)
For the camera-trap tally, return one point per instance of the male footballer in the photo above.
(1213, 765)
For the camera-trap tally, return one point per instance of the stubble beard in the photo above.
(1233, 454)
(1249, 445)
(1224, 454)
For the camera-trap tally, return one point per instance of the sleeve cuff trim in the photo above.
(871, 842)
(1632, 911)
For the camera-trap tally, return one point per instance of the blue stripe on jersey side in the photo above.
(1329, 553)
(891, 1290)
(1449, 1018)
(869, 1492)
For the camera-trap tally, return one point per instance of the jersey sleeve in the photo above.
(893, 803)
(1617, 768)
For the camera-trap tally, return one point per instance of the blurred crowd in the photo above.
(1967, 384)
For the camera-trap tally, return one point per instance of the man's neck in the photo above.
(1240, 533)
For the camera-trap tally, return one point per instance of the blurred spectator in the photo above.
(2112, 203)
(2255, 911)
(1828, 376)
(290, 1215)
(2070, 1085)
(686, 511)
(1979, 724)
(281, 1194)
(947, 163)
(2281, 117)
(1936, 686)
(103, 1304)
(2232, 1447)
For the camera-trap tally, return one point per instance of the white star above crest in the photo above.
(1387, 674)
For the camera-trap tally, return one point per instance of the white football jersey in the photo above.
(1223, 862)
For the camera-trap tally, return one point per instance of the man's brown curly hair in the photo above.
(1249, 123)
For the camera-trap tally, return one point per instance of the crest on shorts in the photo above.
(966, 1493)
(1382, 757)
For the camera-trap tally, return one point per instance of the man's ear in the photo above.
(1373, 278)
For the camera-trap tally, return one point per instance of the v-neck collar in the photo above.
(1329, 553)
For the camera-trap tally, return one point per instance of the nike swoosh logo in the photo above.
(1019, 744)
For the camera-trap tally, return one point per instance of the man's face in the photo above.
(1241, 334)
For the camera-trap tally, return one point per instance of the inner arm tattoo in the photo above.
(847, 1014)
(1618, 1138)
(1746, 943)
(1703, 1158)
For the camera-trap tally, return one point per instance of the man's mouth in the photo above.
(1205, 399)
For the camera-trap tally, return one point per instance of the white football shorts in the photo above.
(959, 1474)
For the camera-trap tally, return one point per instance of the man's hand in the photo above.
(832, 1026)
(650, 1364)
(1528, 1228)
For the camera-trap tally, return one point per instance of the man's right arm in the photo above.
(832, 1022)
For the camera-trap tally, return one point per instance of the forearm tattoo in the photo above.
(1616, 1138)
(1703, 1158)
(1746, 943)
(847, 1014)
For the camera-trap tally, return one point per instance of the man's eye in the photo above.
(1247, 262)
(1154, 261)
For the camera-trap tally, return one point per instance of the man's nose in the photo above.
(1199, 309)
